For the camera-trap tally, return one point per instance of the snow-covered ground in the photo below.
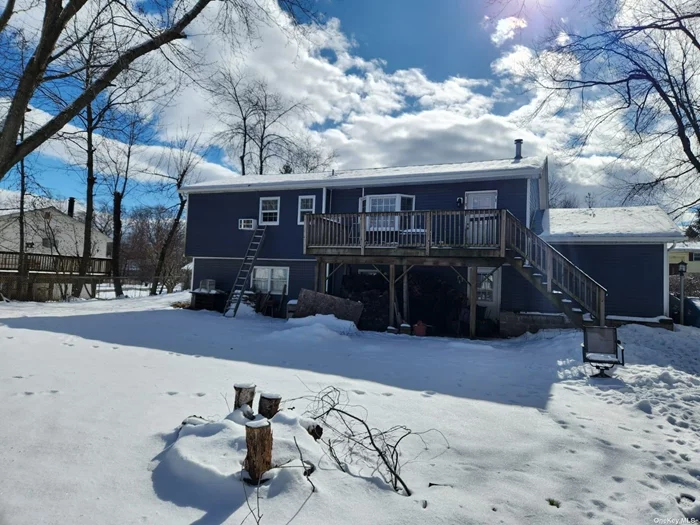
(91, 395)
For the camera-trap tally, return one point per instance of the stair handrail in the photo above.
(545, 258)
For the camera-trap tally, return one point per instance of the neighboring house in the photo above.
(687, 251)
(490, 216)
(49, 231)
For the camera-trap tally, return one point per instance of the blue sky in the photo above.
(386, 83)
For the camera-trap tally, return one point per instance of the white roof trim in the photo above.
(610, 239)
(347, 180)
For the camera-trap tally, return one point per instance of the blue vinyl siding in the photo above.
(301, 273)
(212, 224)
(632, 273)
(534, 199)
(512, 195)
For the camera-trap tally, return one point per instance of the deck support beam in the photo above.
(320, 284)
(473, 277)
(405, 294)
(392, 293)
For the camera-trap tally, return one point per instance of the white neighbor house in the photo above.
(50, 231)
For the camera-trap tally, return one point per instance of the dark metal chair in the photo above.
(602, 349)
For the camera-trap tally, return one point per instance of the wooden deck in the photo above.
(470, 238)
(55, 264)
(438, 234)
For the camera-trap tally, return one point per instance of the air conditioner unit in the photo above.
(208, 285)
(247, 224)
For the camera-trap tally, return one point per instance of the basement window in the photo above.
(272, 279)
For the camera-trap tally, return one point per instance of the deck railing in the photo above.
(63, 264)
(559, 270)
(419, 230)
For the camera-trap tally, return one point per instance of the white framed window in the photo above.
(481, 200)
(307, 204)
(486, 279)
(386, 203)
(695, 256)
(273, 279)
(269, 211)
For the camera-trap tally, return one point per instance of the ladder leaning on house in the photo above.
(244, 272)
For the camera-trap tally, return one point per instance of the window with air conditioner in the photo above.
(272, 279)
(269, 211)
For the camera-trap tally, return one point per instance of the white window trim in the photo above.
(269, 281)
(260, 212)
(467, 193)
(397, 206)
(300, 219)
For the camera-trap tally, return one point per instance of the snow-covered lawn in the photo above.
(91, 395)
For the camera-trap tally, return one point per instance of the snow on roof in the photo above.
(687, 246)
(506, 168)
(627, 224)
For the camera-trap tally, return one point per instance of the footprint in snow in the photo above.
(428, 393)
(359, 392)
(29, 393)
(171, 393)
(201, 394)
(95, 346)
(17, 377)
(387, 394)
(10, 337)
(68, 344)
(618, 479)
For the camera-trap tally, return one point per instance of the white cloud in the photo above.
(506, 28)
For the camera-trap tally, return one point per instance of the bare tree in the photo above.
(180, 165)
(119, 169)
(559, 196)
(257, 126)
(235, 106)
(633, 77)
(143, 32)
(308, 156)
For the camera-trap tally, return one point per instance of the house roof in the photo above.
(687, 246)
(478, 170)
(4, 214)
(633, 224)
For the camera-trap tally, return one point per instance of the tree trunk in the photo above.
(22, 263)
(89, 203)
(258, 438)
(269, 405)
(245, 394)
(116, 244)
(166, 245)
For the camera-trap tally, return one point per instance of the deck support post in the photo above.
(317, 275)
(392, 293)
(405, 294)
(473, 278)
(601, 308)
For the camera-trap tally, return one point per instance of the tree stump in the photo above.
(245, 394)
(269, 404)
(258, 439)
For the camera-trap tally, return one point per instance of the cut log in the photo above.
(245, 394)
(269, 404)
(258, 438)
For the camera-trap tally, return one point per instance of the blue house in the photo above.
(489, 221)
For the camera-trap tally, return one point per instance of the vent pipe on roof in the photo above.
(518, 149)
(71, 206)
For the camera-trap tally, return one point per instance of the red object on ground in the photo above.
(420, 328)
